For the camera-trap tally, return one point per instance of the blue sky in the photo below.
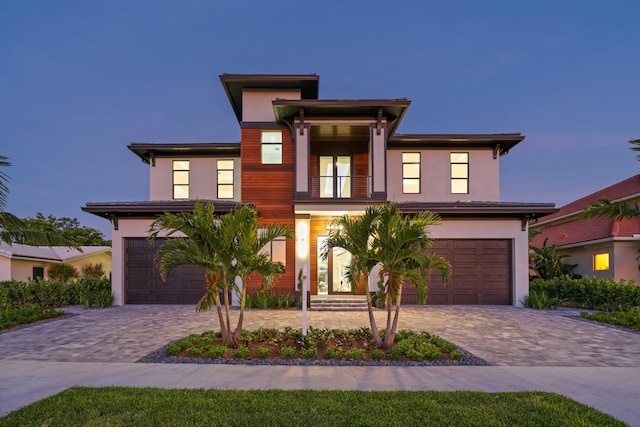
(79, 80)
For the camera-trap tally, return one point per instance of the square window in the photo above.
(601, 261)
(271, 147)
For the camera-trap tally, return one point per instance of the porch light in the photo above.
(331, 226)
(302, 239)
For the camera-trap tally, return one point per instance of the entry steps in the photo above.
(336, 303)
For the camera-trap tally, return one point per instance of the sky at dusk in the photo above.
(79, 80)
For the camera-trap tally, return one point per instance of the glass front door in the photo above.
(332, 272)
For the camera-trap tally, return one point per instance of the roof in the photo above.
(54, 253)
(391, 109)
(234, 84)
(146, 209)
(466, 208)
(501, 142)
(148, 151)
(624, 189)
(562, 229)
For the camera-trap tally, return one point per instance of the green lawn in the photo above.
(121, 406)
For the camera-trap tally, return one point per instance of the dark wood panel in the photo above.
(481, 273)
(143, 284)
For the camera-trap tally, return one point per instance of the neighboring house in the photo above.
(601, 247)
(303, 161)
(23, 262)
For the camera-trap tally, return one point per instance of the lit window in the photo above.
(601, 261)
(181, 179)
(272, 147)
(411, 173)
(460, 173)
(225, 179)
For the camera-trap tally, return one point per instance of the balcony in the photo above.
(340, 187)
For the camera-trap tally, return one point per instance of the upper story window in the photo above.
(601, 261)
(225, 179)
(271, 147)
(460, 173)
(181, 179)
(411, 173)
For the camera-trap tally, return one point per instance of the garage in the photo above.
(143, 284)
(481, 273)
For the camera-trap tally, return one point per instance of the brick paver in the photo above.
(505, 336)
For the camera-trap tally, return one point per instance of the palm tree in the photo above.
(398, 244)
(226, 247)
(15, 230)
(620, 210)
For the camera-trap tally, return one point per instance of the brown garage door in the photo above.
(481, 273)
(143, 284)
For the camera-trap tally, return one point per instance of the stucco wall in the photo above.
(622, 260)
(435, 176)
(257, 104)
(203, 178)
(102, 258)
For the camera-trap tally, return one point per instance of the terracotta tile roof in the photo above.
(622, 189)
(572, 231)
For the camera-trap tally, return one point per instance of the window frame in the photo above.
(181, 185)
(268, 249)
(264, 144)
(457, 179)
(225, 185)
(417, 179)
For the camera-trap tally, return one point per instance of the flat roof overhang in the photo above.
(150, 209)
(500, 142)
(393, 110)
(234, 84)
(149, 151)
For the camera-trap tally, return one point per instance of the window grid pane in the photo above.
(180, 179)
(459, 173)
(411, 173)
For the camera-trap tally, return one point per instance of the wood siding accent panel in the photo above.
(481, 273)
(271, 189)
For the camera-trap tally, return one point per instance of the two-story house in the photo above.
(303, 161)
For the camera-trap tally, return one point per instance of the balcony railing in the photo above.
(340, 187)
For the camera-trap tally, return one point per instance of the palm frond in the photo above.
(604, 208)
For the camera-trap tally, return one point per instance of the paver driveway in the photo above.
(505, 336)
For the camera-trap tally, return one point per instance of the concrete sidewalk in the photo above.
(615, 391)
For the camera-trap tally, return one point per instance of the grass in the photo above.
(115, 406)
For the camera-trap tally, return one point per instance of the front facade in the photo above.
(302, 162)
(599, 247)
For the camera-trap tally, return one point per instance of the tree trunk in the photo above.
(243, 300)
(224, 330)
(391, 334)
(226, 309)
(372, 321)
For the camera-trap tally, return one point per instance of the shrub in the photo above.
(288, 352)
(593, 293)
(194, 351)
(332, 353)
(354, 354)
(242, 352)
(376, 354)
(309, 353)
(63, 272)
(174, 349)
(216, 351)
(93, 270)
(263, 352)
(627, 318)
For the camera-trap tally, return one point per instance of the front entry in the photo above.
(332, 271)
